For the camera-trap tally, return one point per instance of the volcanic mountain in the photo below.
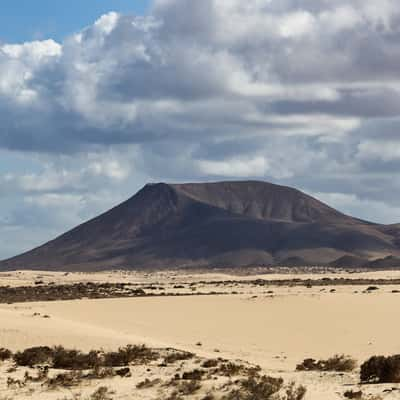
(225, 224)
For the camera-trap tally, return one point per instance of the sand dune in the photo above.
(274, 327)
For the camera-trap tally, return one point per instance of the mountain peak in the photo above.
(232, 223)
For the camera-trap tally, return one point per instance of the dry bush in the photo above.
(211, 363)
(102, 393)
(294, 392)
(230, 369)
(195, 375)
(68, 379)
(101, 373)
(34, 356)
(189, 387)
(41, 376)
(61, 358)
(123, 372)
(263, 387)
(350, 394)
(129, 354)
(380, 369)
(338, 363)
(147, 383)
(74, 359)
(208, 396)
(15, 383)
(255, 388)
(5, 354)
(178, 356)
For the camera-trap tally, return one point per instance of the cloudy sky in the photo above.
(98, 99)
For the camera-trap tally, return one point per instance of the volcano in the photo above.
(206, 225)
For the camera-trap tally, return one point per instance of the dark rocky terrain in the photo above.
(226, 224)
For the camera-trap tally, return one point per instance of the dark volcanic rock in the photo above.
(350, 262)
(226, 224)
(384, 263)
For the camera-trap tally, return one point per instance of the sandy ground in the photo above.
(275, 330)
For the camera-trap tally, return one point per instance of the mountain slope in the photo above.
(212, 224)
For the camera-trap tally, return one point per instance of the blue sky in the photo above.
(23, 20)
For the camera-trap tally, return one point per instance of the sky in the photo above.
(99, 97)
(25, 20)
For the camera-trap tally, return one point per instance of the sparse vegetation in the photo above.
(195, 375)
(148, 383)
(350, 394)
(210, 363)
(102, 393)
(61, 358)
(68, 379)
(338, 363)
(177, 355)
(263, 387)
(60, 368)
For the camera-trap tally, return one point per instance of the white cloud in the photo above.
(296, 24)
(303, 92)
(107, 22)
(375, 211)
(257, 166)
(388, 150)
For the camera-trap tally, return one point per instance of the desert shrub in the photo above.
(263, 387)
(15, 383)
(294, 392)
(380, 369)
(177, 356)
(350, 394)
(338, 363)
(34, 356)
(190, 387)
(147, 383)
(68, 379)
(195, 375)
(5, 354)
(102, 393)
(255, 388)
(211, 363)
(184, 388)
(99, 372)
(230, 369)
(41, 376)
(61, 358)
(129, 354)
(208, 396)
(74, 359)
(123, 372)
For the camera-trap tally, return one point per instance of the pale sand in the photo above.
(275, 331)
(257, 330)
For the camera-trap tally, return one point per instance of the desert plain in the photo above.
(273, 321)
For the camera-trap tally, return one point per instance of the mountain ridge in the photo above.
(216, 224)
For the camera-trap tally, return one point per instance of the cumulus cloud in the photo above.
(301, 92)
